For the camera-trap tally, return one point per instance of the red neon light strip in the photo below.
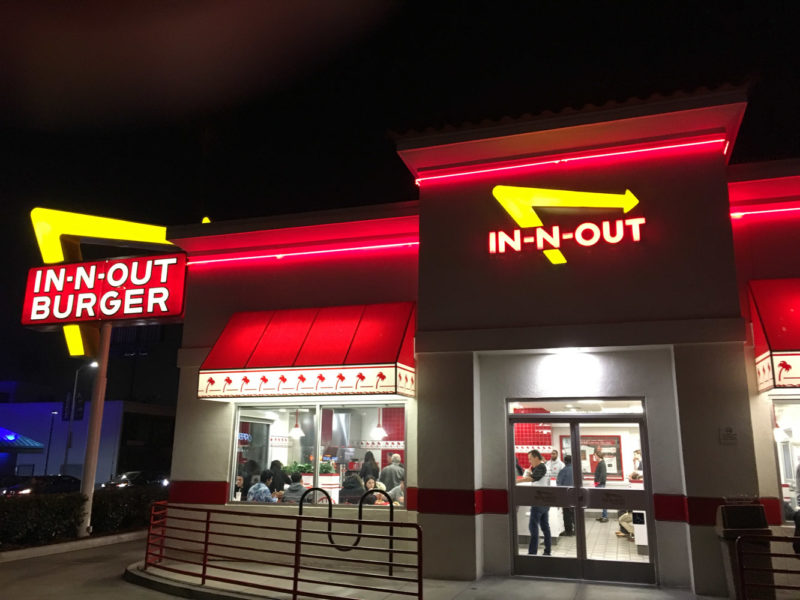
(306, 253)
(556, 161)
(739, 215)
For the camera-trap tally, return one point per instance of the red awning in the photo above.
(777, 305)
(317, 348)
(775, 313)
(339, 335)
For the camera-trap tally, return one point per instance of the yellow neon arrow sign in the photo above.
(521, 204)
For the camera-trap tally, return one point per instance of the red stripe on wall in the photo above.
(457, 502)
(491, 501)
(666, 507)
(412, 494)
(774, 509)
(670, 507)
(198, 492)
(703, 511)
(446, 502)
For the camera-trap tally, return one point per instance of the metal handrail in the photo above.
(208, 553)
(360, 517)
(742, 570)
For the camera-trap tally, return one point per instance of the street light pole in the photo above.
(71, 410)
(53, 414)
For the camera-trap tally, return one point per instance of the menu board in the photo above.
(610, 447)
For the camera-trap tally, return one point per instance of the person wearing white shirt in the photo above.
(537, 475)
(553, 465)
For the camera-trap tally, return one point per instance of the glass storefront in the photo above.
(787, 440)
(342, 448)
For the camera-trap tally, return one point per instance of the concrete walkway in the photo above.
(96, 573)
(85, 544)
(488, 588)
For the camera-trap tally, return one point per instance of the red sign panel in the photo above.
(143, 288)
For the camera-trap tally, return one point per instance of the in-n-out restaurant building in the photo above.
(598, 278)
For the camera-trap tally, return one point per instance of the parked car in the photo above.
(9, 480)
(44, 484)
(131, 478)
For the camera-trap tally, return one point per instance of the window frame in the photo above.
(318, 404)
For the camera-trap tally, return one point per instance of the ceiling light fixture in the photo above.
(297, 431)
(379, 432)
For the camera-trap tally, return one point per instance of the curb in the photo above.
(135, 575)
(96, 542)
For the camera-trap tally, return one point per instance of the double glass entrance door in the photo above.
(581, 489)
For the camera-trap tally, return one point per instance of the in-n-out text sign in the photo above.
(148, 287)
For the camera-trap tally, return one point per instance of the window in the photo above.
(323, 445)
(787, 439)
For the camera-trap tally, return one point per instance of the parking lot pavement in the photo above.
(95, 573)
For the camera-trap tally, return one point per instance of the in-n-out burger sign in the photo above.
(144, 288)
(521, 203)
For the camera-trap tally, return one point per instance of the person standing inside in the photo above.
(554, 465)
(637, 461)
(537, 475)
(392, 474)
(600, 474)
(565, 478)
(370, 468)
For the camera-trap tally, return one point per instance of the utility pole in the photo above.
(71, 410)
(49, 442)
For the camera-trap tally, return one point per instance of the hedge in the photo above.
(124, 509)
(47, 518)
(32, 520)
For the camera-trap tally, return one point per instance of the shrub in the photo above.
(306, 468)
(47, 518)
(123, 509)
(297, 467)
(39, 519)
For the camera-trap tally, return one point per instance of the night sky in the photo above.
(166, 112)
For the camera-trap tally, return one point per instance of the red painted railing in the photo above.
(761, 572)
(239, 550)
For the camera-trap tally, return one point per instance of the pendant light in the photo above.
(379, 432)
(297, 431)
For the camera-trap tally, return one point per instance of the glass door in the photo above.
(580, 489)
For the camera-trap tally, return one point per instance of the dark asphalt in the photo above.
(90, 574)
